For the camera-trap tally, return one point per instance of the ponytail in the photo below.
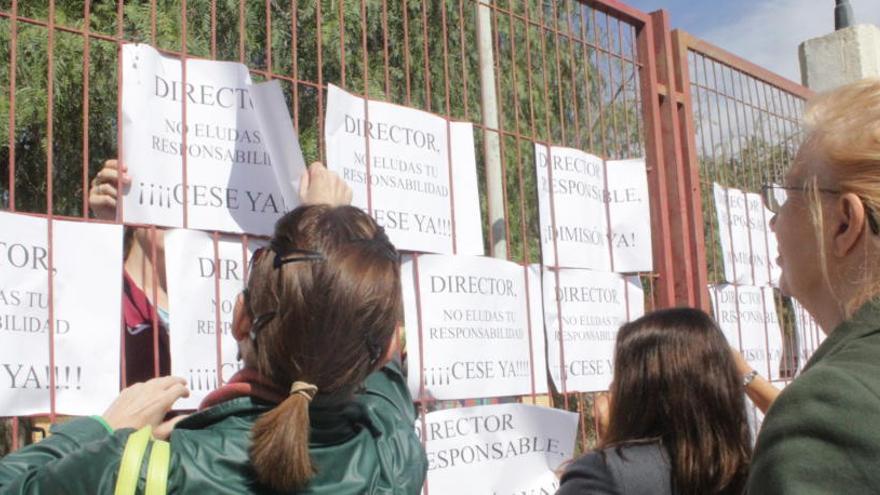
(341, 258)
(280, 445)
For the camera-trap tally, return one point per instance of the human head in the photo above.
(675, 381)
(828, 253)
(325, 298)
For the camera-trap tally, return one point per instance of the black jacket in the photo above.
(632, 470)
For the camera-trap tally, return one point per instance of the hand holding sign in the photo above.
(103, 193)
(321, 186)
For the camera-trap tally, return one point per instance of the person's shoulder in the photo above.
(640, 468)
(810, 432)
(195, 453)
(588, 474)
(385, 393)
(846, 377)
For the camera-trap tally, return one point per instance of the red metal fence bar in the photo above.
(741, 126)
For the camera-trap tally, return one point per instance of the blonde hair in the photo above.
(844, 127)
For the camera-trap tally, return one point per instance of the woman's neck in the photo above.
(140, 267)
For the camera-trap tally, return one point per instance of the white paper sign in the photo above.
(191, 267)
(747, 316)
(577, 216)
(765, 271)
(748, 246)
(807, 332)
(630, 214)
(230, 182)
(509, 448)
(83, 255)
(594, 305)
(410, 192)
(469, 336)
(282, 141)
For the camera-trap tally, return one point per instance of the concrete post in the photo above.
(841, 57)
(491, 139)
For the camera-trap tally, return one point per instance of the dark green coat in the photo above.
(368, 446)
(822, 434)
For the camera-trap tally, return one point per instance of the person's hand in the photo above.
(103, 193)
(145, 403)
(163, 431)
(319, 186)
(742, 366)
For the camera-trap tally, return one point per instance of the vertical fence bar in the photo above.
(692, 191)
(50, 208)
(86, 64)
(680, 233)
(664, 287)
(13, 70)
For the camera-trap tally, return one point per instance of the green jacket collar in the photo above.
(329, 425)
(865, 320)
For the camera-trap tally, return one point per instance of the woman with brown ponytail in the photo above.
(320, 407)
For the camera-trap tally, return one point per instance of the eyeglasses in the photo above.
(775, 195)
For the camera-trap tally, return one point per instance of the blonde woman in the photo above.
(822, 434)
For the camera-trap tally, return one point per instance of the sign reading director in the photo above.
(475, 337)
(409, 162)
(230, 183)
(747, 316)
(84, 256)
(593, 214)
(509, 448)
(594, 305)
(193, 268)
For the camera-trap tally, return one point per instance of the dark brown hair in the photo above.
(675, 381)
(334, 317)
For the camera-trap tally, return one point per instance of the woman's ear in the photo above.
(241, 320)
(849, 223)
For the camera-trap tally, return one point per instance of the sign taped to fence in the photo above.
(630, 216)
(481, 329)
(230, 183)
(192, 268)
(410, 194)
(748, 246)
(577, 217)
(83, 255)
(508, 448)
(747, 316)
(594, 305)
(807, 333)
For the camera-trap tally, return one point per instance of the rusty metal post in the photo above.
(656, 163)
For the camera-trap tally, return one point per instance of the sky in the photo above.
(765, 32)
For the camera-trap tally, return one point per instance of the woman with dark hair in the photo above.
(321, 405)
(676, 420)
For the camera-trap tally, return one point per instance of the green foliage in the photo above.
(578, 88)
(564, 75)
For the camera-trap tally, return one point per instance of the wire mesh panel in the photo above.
(564, 73)
(746, 128)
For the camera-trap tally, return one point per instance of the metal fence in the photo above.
(744, 128)
(595, 75)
